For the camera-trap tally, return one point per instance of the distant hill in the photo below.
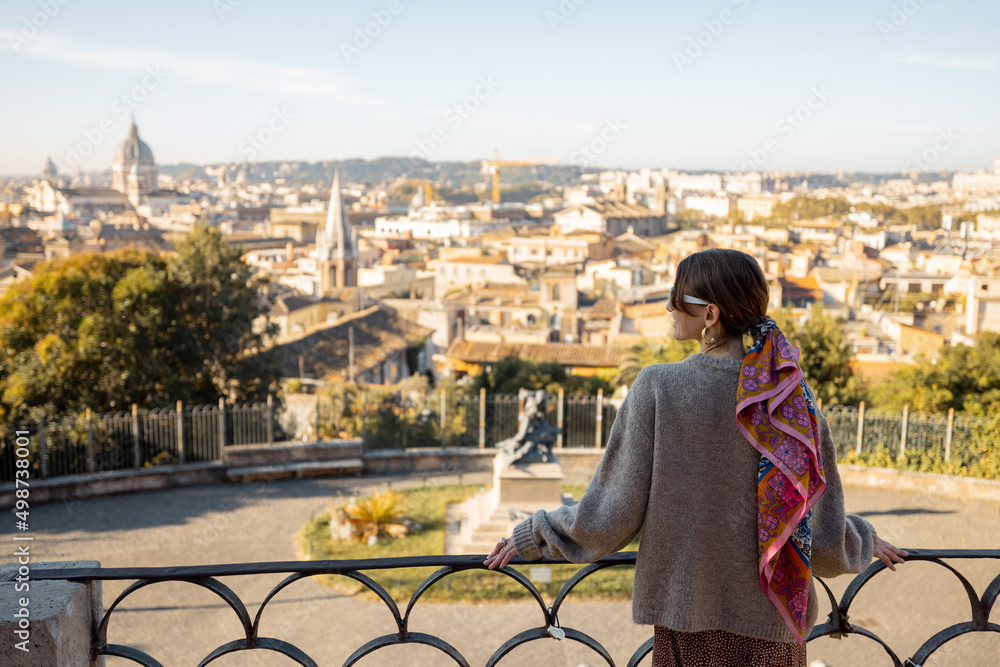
(380, 170)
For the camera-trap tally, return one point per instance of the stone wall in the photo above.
(63, 617)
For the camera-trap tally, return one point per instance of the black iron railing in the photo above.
(207, 576)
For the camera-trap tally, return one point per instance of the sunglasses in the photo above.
(687, 299)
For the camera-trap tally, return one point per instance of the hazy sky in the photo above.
(538, 80)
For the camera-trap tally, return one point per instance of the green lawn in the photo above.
(426, 506)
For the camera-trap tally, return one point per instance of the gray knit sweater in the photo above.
(677, 468)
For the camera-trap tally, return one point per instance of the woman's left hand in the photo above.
(503, 552)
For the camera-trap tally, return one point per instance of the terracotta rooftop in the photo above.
(288, 303)
(566, 354)
(489, 259)
(610, 208)
(378, 334)
(495, 295)
(605, 307)
(798, 288)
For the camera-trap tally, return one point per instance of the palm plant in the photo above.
(377, 516)
(654, 351)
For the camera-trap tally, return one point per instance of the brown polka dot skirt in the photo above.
(717, 648)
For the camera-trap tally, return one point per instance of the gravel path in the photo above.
(181, 623)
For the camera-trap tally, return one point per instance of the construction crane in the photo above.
(492, 167)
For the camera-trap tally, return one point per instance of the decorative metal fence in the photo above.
(252, 635)
(843, 420)
(88, 443)
(497, 420)
(895, 435)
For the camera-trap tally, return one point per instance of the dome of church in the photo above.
(133, 149)
(134, 168)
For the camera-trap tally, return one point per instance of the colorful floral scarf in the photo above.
(776, 413)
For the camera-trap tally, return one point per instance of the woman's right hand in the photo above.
(889, 554)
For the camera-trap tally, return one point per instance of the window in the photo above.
(555, 293)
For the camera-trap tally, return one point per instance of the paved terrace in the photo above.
(181, 623)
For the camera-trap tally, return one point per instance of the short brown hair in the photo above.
(730, 279)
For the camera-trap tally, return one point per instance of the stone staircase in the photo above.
(484, 535)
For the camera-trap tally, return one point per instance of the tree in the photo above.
(966, 378)
(825, 356)
(809, 208)
(107, 330)
(650, 352)
(513, 373)
(922, 217)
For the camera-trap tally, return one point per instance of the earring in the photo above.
(708, 341)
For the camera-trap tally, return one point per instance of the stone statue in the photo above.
(535, 437)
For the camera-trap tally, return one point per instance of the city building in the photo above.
(980, 184)
(982, 304)
(460, 272)
(611, 216)
(552, 247)
(467, 357)
(134, 170)
(384, 348)
(681, 183)
(336, 245)
(711, 205)
(752, 207)
(419, 228)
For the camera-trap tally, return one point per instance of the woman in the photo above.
(729, 470)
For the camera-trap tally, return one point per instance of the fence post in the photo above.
(270, 421)
(947, 434)
(482, 418)
(318, 437)
(444, 421)
(90, 443)
(364, 422)
(222, 430)
(43, 464)
(861, 426)
(902, 434)
(402, 420)
(559, 417)
(136, 450)
(600, 418)
(180, 432)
